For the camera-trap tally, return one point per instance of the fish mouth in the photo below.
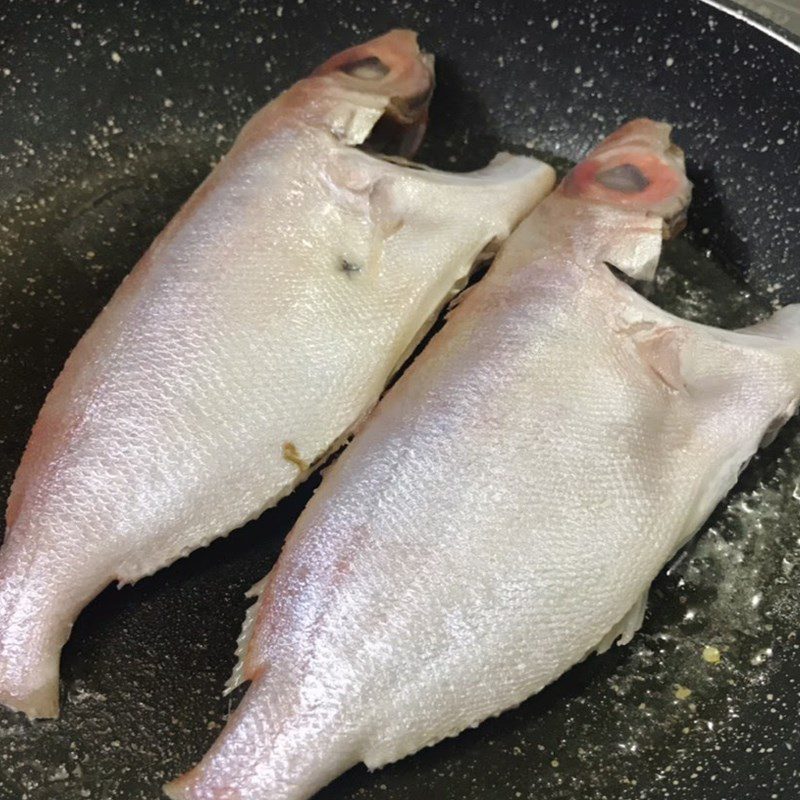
(393, 68)
(409, 107)
(673, 225)
(401, 128)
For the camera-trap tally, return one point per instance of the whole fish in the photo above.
(504, 510)
(261, 325)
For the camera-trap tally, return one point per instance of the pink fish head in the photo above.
(393, 69)
(638, 168)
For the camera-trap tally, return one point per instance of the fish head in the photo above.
(637, 168)
(391, 74)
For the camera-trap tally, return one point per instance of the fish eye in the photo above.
(625, 178)
(370, 68)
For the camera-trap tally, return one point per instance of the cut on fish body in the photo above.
(257, 330)
(503, 511)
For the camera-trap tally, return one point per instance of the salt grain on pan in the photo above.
(554, 24)
(682, 692)
(116, 57)
(711, 654)
(60, 774)
(670, 61)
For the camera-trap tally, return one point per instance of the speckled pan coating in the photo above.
(110, 115)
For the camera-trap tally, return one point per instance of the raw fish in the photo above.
(261, 325)
(504, 510)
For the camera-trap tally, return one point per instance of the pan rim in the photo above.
(757, 21)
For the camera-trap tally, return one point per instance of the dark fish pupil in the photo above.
(625, 178)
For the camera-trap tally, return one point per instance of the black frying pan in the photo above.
(110, 114)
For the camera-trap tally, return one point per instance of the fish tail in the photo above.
(280, 743)
(30, 640)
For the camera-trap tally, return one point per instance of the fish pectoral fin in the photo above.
(624, 630)
(659, 348)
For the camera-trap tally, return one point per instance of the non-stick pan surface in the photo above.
(110, 114)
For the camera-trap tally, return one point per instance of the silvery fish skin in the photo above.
(261, 325)
(503, 511)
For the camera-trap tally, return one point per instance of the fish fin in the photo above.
(141, 565)
(783, 326)
(623, 631)
(659, 347)
(238, 676)
(782, 329)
